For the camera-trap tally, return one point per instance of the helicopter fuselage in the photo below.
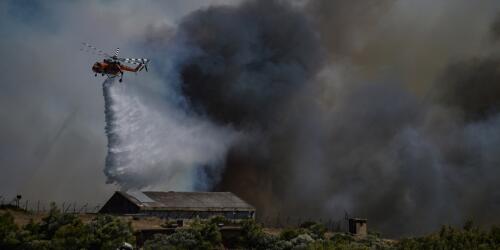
(112, 68)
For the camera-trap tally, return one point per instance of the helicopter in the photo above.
(112, 65)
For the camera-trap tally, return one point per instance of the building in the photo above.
(358, 226)
(179, 205)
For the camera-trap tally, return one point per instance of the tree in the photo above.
(109, 232)
(8, 231)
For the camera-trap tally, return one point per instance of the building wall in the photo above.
(233, 215)
(118, 204)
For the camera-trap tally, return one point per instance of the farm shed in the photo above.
(358, 226)
(179, 205)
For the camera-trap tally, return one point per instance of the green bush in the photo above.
(64, 231)
(220, 220)
(8, 230)
(109, 232)
(290, 233)
(200, 235)
(468, 237)
(181, 239)
(72, 236)
(317, 230)
(67, 231)
(54, 220)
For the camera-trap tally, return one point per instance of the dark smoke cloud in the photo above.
(344, 25)
(375, 108)
(333, 100)
(471, 87)
(248, 59)
(495, 29)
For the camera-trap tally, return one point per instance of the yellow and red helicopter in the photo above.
(112, 65)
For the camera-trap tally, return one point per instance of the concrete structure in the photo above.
(358, 226)
(179, 205)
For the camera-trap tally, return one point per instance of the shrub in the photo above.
(200, 235)
(448, 237)
(8, 231)
(290, 233)
(109, 232)
(72, 236)
(181, 239)
(217, 220)
(317, 231)
(64, 231)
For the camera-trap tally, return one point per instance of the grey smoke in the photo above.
(363, 112)
(269, 52)
(470, 86)
(360, 131)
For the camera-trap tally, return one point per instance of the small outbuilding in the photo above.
(179, 205)
(358, 226)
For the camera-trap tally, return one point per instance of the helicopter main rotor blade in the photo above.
(134, 60)
(95, 50)
(137, 63)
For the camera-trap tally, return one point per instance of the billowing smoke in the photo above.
(336, 116)
(385, 109)
(470, 86)
(149, 150)
(268, 53)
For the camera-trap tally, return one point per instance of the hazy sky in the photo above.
(52, 137)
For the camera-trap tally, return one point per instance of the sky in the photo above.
(53, 139)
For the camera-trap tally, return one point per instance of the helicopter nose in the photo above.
(95, 67)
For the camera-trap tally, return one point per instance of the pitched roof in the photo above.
(192, 201)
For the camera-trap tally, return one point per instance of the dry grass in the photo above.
(22, 218)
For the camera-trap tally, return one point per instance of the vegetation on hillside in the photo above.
(310, 235)
(64, 231)
(67, 231)
(204, 235)
(468, 237)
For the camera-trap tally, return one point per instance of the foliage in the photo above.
(181, 239)
(64, 231)
(7, 231)
(253, 237)
(312, 236)
(108, 232)
(290, 233)
(220, 220)
(53, 222)
(469, 237)
(200, 235)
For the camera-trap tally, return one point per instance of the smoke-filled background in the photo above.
(388, 110)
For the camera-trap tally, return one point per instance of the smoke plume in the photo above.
(335, 116)
(470, 87)
(385, 109)
(269, 53)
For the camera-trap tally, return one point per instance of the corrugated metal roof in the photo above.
(150, 200)
(139, 196)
